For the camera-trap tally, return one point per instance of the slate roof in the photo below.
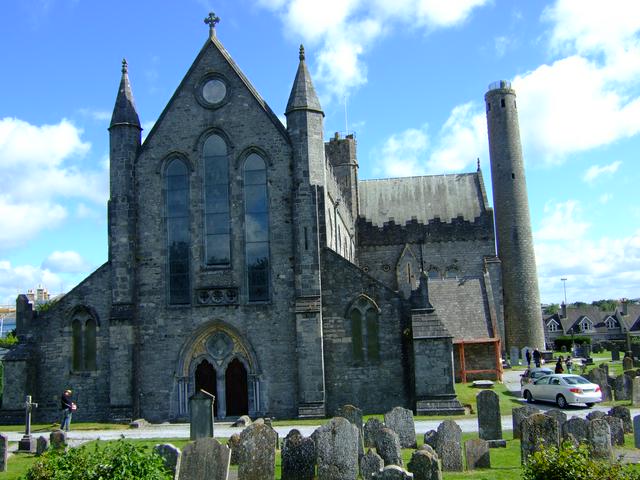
(629, 322)
(422, 198)
(462, 307)
(124, 110)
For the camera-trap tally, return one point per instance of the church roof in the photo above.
(422, 198)
(124, 111)
(303, 95)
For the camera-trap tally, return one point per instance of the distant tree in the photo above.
(605, 305)
(551, 309)
(579, 304)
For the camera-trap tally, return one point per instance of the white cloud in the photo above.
(596, 171)
(18, 279)
(562, 222)
(65, 262)
(404, 154)
(20, 222)
(98, 115)
(605, 198)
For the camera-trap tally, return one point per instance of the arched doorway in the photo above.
(206, 380)
(237, 393)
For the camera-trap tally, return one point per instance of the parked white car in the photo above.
(563, 389)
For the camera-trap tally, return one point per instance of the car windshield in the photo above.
(576, 380)
(543, 381)
(541, 373)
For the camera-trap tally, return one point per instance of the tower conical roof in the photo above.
(303, 95)
(124, 111)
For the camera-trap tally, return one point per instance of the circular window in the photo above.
(386, 268)
(214, 91)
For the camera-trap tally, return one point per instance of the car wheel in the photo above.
(528, 397)
(589, 405)
(561, 401)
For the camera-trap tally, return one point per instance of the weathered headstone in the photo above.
(42, 445)
(636, 431)
(600, 439)
(600, 376)
(596, 415)
(623, 387)
(354, 415)
(607, 394)
(425, 465)
(476, 452)
(242, 422)
(489, 419)
(234, 444)
(635, 394)
(624, 414)
(514, 356)
(428, 448)
(370, 463)
(431, 438)
(201, 417)
(393, 472)
(298, 457)
(337, 448)
(204, 458)
(257, 453)
(449, 447)
(605, 367)
(627, 364)
(58, 439)
(4, 452)
(559, 415)
(388, 447)
(518, 414)
(371, 429)
(577, 427)
(617, 430)
(171, 455)
(400, 420)
(538, 431)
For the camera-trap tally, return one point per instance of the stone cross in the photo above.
(27, 444)
(212, 20)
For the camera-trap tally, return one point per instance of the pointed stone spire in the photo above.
(420, 296)
(303, 95)
(124, 111)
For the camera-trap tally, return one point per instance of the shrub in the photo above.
(119, 460)
(573, 463)
(569, 341)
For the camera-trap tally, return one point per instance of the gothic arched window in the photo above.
(216, 202)
(83, 341)
(178, 237)
(90, 344)
(76, 345)
(256, 224)
(365, 341)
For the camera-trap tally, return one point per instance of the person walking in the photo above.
(68, 407)
(527, 355)
(568, 363)
(559, 368)
(537, 357)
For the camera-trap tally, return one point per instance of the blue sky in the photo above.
(412, 74)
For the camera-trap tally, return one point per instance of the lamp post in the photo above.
(564, 286)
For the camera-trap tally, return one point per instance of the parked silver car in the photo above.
(563, 389)
(532, 374)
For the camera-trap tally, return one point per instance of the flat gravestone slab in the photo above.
(204, 458)
(370, 463)
(425, 465)
(489, 418)
(476, 452)
(257, 453)
(538, 431)
(393, 472)
(298, 457)
(388, 447)
(337, 448)
(449, 447)
(400, 420)
(371, 430)
(171, 456)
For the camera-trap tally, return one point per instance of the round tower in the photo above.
(522, 317)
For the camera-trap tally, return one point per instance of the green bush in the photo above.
(573, 463)
(569, 341)
(10, 340)
(119, 460)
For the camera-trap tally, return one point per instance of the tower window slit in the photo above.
(502, 104)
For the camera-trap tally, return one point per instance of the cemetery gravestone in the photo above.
(257, 453)
(489, 419)
(538, 431)
(616, 429)
(627, 364)
(448, 446)
(636, 431)
(171, 456)
(393, 472)
(42, 445)
(425, 465)
(514, 356)
(400, 420)
(623, 387)
(58, 439)
(201, 415)
(354, 415)
(388, 447)
(615, 355)
(337, 448)
(477, 454)
(371, 430)
(431, 438)
(204, 458)
(370, 463)
(234, 444)
(298, 457)
(624, 414)
(635, 392)
(596, 415)
(559, 415)
(4, 452)
(577, 427)
(600, 439)
(518, 415)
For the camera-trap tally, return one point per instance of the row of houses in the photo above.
(593, 322)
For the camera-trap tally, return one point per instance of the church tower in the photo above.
(305, 128)
(523, 325)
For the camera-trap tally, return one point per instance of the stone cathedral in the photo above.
(248, 260)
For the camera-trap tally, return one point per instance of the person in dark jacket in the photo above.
(68, 407)
(527, 355)
(559, 368)
(537, 357)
